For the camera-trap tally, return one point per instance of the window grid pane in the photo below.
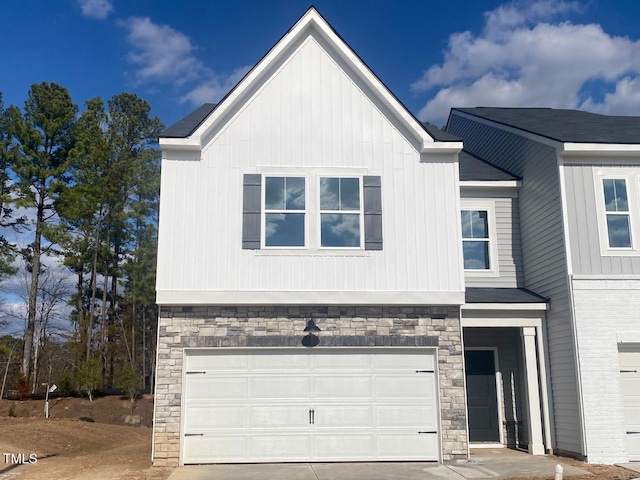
(619, 231)
(475, 234)
(337, 197)
(284, 212)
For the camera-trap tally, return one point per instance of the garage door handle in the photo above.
(425, 371)
(633, 433)
(190, 373)
(312, 416)
(194, 434)
(628, 371)
(430, 431)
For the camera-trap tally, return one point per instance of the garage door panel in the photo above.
(419, 416)
(210, 388)
(342, 447)
(407, 447)
(289, 416)
(219, 363)
(280, 447)
(342, 362)
(210, 449)
(222, 417)
(403, 363)
(352, 416)
(417, 386)
(277, 363)
(352, 387)
(288, 387)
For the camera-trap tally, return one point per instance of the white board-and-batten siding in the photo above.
(543, 253)
(309, 114)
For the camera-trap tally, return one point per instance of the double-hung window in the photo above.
(340, 212)
(312, 211)
(284, 206)
(616, 204)
(479, 241)
(617, 196)
(475, 239)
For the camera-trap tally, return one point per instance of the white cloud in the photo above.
(520, 63)
(165, 55)
(98, 9)
(214, 88)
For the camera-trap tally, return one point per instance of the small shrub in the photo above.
(22, 387)
(90, 377)
(130, 383)
(12, 411)
(65, 387)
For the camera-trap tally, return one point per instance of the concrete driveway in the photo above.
(499, 463)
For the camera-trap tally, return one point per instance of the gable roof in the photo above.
(570, 126)
(473, 168)
(182, 136)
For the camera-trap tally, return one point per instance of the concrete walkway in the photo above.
(499, 463)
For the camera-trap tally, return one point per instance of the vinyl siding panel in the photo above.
(310, 114)
(543, 254)
(508, 237)
(586, 255)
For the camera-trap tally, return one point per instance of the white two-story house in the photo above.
(579, 225)
(326, 266)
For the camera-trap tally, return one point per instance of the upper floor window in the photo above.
(340, 212)
(479, 241)
(311, 210)
(475, 239)
(616, 203)
(617, 209)
(284, 207)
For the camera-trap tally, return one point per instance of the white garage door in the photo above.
(278, 405)
(630, 375)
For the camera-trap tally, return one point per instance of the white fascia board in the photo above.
(429, 145)
(491, 183)
(599, 149)
(190, 143)
(505, 306)
(198, 297)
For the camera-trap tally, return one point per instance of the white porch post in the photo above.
(536, 446)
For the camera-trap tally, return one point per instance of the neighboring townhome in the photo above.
(310, 271)
(579, 225)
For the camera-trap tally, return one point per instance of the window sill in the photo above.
(481, 273)
(299, 252)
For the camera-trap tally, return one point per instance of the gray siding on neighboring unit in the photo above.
(543, 252)
(509, 246)
(582, 214)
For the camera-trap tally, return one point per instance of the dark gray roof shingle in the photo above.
(474, 168)
(573, 126)
(502, 295)
(185, 127)
(438, 135)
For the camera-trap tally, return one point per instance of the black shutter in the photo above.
(251, 203)
(372, 212)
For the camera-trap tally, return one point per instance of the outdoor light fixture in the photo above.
(311, 340)
(311, 327)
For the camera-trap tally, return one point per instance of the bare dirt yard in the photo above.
(110, 448)
(68, 448)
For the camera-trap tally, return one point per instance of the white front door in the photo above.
(288, 405)
(630, 377)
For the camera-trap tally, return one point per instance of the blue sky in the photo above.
(432, 54)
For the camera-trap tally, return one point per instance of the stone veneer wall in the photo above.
(282, 326)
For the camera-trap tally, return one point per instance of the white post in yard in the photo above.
(559, 471)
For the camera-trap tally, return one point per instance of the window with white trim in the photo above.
(311, 210)
(475, 239)
(616, 203)
(479, 242)
(617, 192)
